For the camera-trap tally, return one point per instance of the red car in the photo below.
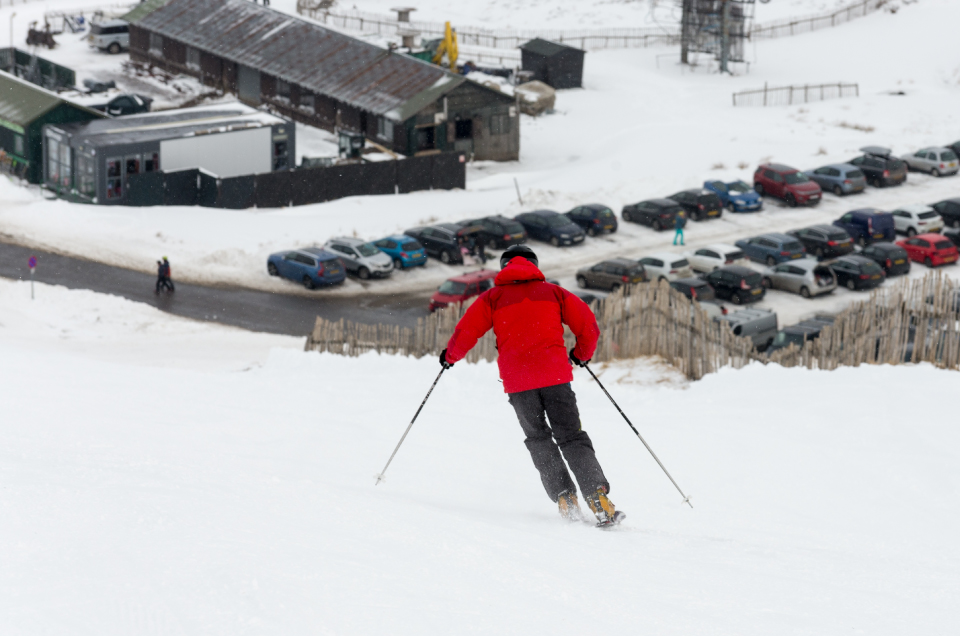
(789, 184)
(930, 249)
(460, 288)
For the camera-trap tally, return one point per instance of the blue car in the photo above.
(313, 267)
(868, 225)
(405, 251)
(738, 196)
(772, 248)
(839, 178)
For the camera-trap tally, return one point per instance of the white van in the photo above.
(112, 36)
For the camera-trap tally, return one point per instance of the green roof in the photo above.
(22, 102)
(142, 9)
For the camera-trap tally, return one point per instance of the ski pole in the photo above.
(381, 477)
(686, 499)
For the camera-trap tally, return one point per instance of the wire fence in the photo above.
(807, 24)
(789, 95)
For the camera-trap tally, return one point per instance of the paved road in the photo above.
(254, 310)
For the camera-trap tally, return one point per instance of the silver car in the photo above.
(361, 258)
(936, 161)
(112, 36)
(839, 178)
(666, 266)
(806, 277)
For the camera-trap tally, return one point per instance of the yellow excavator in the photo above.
(448, 47)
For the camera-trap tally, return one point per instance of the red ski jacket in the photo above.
(527, 315)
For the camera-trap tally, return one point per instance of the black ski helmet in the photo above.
(518, 250)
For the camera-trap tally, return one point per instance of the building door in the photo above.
(248, 84)
(426, 138)
(131, 166)
(463, 136)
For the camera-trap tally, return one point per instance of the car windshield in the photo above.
(734, 256)
(704, 292)
(927, 215)
(792, 246)
(679, 264)
(739, 187)
(796, 177)
(854, 174)
(870, 268)
(894, 164)
(635, 271)
(670, 209)
(606, 213)
(753, 280)
(367, 249)
(948, 155)
(95, 29)
(719, 186)
(452, 288)
(514, 228)
(783, 339)
(411, 246)
(943, 245)
(332, 264)
(556, 221)
(837, 236)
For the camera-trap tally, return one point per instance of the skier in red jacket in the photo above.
(527, 315)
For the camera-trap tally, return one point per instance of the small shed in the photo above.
(555, 64)
(24, 109)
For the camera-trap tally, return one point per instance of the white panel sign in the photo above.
(228, 154)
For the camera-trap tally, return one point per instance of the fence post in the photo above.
(764, 93)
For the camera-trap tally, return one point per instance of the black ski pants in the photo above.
(558, 404)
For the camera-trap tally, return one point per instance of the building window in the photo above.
(283, 89)
(156, 45)
(53, 161)
(86, 169)
(308, 101)
(385, 129)
(18, 145)
(499, 124)
(114, 179)
(65, 172)
(151, 162)
(193, 58)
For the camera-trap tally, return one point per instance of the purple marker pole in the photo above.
(33, 267)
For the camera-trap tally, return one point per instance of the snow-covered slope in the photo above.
(140, 497)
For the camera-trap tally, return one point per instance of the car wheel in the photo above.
(759, 188)
(363, 273)
(934, 173)
(554, 241)
(581, 282)
(591, 231)
(696, 216)
(113, 48)
(911, 232)
(308, 282)
(732, 206)
(805, 292)
(862, 242)
(657, 226)
(818, 253)
(445, 257)
(771, 261)
(791, 200)
(766, 282)
(851, 285)
(397, 263)
(272, 269)
(736, 299)
(627, 216)
(837, 190)
(927, 262)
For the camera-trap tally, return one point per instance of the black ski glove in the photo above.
(577, 361)
(443, 360)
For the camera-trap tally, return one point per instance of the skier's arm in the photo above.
(477, 321)
(577, 315)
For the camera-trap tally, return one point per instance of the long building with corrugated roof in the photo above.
(325, 78)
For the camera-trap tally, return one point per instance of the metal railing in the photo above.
(789, 95)
(807, 24)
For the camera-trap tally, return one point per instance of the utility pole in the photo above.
(685, 31)
(724, 36)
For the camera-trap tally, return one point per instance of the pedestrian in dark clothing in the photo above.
(163, 276)
(678, 223)
(481, 252)
(527, 315)
(160, 277)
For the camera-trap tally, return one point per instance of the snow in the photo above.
(150, 488)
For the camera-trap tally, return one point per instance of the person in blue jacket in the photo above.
(679, 222)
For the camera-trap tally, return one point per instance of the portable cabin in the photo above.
(553, 63)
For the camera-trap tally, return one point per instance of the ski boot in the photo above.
(603, 508)
(569, 506)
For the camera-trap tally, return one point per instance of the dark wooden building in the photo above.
(323, 78)
(555, 64)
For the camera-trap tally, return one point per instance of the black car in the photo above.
(694, 288)
(660, 214)
(880, 167)
(824, 241)
(439, 241)
(699, 204)
(128, 104)
(738, 284)
(553, 227)
(892, 258)
(953, 235)
(497, 232)
(955, 147)
(858, 272)
(594, 218)
(949, 209)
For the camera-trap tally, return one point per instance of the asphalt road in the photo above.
(253, 310)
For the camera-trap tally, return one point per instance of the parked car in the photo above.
(858, 272)
(795, 334)
(953, 235)
(772, 248)
(112, 36)
(760, 325)
(932, 250)
(497, 232)
(936, 161)
(709, 258)
(736, 283)
(789, 184)
(699, 204)
(839, 178)
(880, 167)
(406, 252)
(737, 196)
(594, 218)
(949, 211)
(553, 227)
(127, 104)
(824, 241)
(868, 225)
(806, 277)
(694, 289)
(439, 241)
(666, 266)
(955, 147)
(660, 214)
(361, 258)
(916, 219)
(461, 288)
(891, 257)
(313, 267)
(611, 274)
